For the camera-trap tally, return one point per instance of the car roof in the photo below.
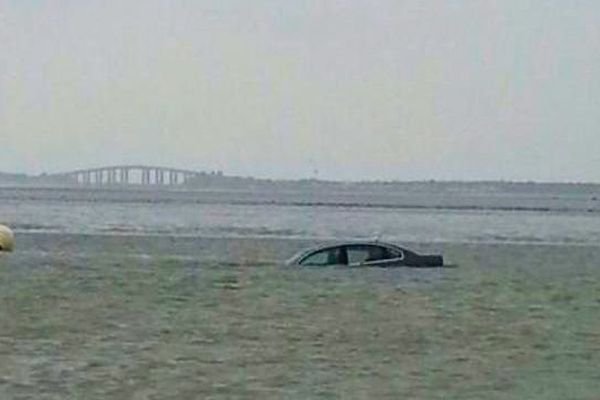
(298, 256)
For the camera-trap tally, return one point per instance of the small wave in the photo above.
(256, 231)
(25, 227)
(122, 229)
(506, 239)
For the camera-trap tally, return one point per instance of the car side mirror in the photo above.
(7, 239)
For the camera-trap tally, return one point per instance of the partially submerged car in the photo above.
(368, 254)
(7, 239)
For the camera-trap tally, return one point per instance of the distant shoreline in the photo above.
(221, 180)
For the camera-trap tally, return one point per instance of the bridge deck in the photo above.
(130, 175)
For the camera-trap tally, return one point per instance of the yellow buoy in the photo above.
(7, 239)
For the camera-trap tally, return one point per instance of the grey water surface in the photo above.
(484, 213)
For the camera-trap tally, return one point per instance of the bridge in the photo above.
(130, 175)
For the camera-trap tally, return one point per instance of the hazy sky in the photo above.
(354, 89)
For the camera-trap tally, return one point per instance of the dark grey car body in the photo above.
(368, 254)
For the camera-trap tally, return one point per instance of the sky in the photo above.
(328, 89)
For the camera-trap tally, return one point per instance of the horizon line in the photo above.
(224, 175)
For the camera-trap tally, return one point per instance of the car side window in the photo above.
(361, 254)
(324, 257)
(357, 254)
